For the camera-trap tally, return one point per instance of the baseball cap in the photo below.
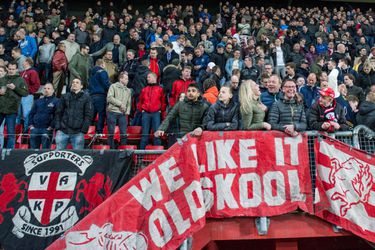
(327, 92)
(211, 65)
(304, 61)
(220, 45)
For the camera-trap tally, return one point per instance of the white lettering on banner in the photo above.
(246, 153)
(279, 151)
(169, 174)
(207, 194)
(279, 198)
(223, 148)
(150, 190)
(174, 212)
(197, 211)
(210, 152)
(293, 142)
(157, 216)
(295, 190)
(256, 190)
(224, 192)
(201, 167)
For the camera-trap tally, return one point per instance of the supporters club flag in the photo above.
(239, 173)
(345, 187)
(44, 193)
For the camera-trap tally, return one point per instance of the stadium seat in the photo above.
(21, 146)
(127, 147)
(148, 158)
(90, 133)
(134, 133)
(69, 146)
(100, 147)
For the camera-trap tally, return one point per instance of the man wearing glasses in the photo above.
(288, 114)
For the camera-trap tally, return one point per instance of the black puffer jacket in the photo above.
(222, 117)
(366, 114)
(287, 112)
(320, 114)
(74, 113)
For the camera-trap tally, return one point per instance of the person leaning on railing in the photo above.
(288, 113)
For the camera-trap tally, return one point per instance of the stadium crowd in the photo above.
(176, 69)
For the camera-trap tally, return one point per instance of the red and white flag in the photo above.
(345, 187)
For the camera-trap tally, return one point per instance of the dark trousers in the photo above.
(149, 120)
(112, 119)
(99, 102)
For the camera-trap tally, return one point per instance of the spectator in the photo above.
(326, 114)
(353, 89)
(18, 58)
(288, 114)
(366, 113)
(4, 56)
(249, 72)
(211, 92)
(12, 89)
(119, 105)
(190, 113)
(171, 73)
(80, 65)
(42, 117)
(98, 89)
(333, 76)
(110, 66)
(366, 77)
(130, 65)
(81, 34)
(310, 91)
(27, 44)
(71, 47)
(169, 54)
(155, 65)
(234, 63)
(181, 85)
(222, 115)
(153, 107)
(303, 69)
(273, 91)
(45, 54)
(290, 69)
(59, 68)
(31, 77)
(252, 110)
(234, 83)
(200, 63)
(118, 50)
(73, 117)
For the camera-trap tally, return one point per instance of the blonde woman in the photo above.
(252, 110)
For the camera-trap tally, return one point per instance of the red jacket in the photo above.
(32, 80)
(178, 87)
(59, 61)
(152, 99)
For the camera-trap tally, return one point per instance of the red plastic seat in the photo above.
(100, 147)
(69, 146)
(148, 158)
(116, 133)
(90, 133)
(134, 133)
(127, 147)
(21, 146)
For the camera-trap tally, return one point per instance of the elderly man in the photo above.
(118, 50)
(288, 113)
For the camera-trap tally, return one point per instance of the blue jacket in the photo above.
(268, 98)
(99, 81)
(28, 46)
(229, 66)
(310, 95)
(42, 113)
(201, 61)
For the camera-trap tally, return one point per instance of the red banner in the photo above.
(218, 175)
(345, 190)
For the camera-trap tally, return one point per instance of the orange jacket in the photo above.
(211, 94)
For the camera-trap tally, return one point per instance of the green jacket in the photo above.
(253, 118)
(190, 115)
(79, 67)
(10, 102)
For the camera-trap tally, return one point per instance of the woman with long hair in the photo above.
(252, 110)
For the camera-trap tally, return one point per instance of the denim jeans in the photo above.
(149, 120)
(62, 139)
(24, 111)
(99, 102)
(2, 134)
(10, 121)
(112, 119)
(40, 136)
